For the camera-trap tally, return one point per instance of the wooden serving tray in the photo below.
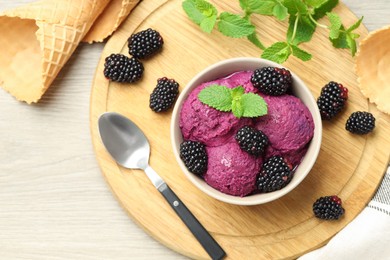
(350, 166)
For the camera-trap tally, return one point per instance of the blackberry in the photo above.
(251, 140)
(120, 68)
(275, 174)
(145, 43)
(332, 99)
(271, 80)
(328, 207)
(164, 94)
(194, 156)
(360, 123)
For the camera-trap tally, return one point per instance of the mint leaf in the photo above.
(234, 26)
(202, 13)
(325, 7)
(300, 54)
(254, 105)
(335, 25)
(280, 11)
(351, 44)
(295, 6)
(264, 7)
(255, 40)
(341, 40)
(198, 10)
(278, 52)
(192, 11)
(315, 3)
(237, 92)
(208, 23)
(259, 7)
(216, 96)
(237, 108)
(304, 30)
(355, 25)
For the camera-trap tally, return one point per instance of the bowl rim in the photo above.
(209, 73)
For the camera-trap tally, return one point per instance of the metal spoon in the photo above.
(128, 145)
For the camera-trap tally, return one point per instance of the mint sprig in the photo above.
(342, 37)
(302, 17)
(235, 99)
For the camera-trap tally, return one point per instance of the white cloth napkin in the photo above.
(367, 236)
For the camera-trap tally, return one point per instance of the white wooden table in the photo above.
(54, 202)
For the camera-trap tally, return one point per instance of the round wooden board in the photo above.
(350, 166)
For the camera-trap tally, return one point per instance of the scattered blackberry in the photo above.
(164, 94)
(145, 43)
(120, 68)
(332, 99)
(271, 80)
(194, 156)
(275, 174)
(328, 207)
(251, 140)
(360, 123)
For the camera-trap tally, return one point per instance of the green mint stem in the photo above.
(317, 23)
(295, 28)
(261, 46)
(247, 15)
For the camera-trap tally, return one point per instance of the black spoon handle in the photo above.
(205, 239)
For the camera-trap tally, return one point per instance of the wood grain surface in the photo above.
(54, 201)
(348, 165)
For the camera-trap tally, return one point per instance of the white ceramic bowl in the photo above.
(224, 68)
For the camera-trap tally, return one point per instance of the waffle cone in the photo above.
(37, 40)
(373, 68)
(108, 21)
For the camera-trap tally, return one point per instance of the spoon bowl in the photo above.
(126, 143)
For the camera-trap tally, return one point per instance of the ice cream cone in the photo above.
(112, 16)
(37, 40)
(373, 68)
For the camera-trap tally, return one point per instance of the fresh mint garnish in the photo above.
(280, 11)
(341, 40)
(323, 7)
(202, 13)
(300, 29)
(345, 38)
(234, 26)
(302, 17)
(265, 7)
(218, 97)
(300, 54)
(278, 52)
(335, 25)
(236, 100)
(315, 3)
(254, 105)
(259, 7)
(295, 7)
